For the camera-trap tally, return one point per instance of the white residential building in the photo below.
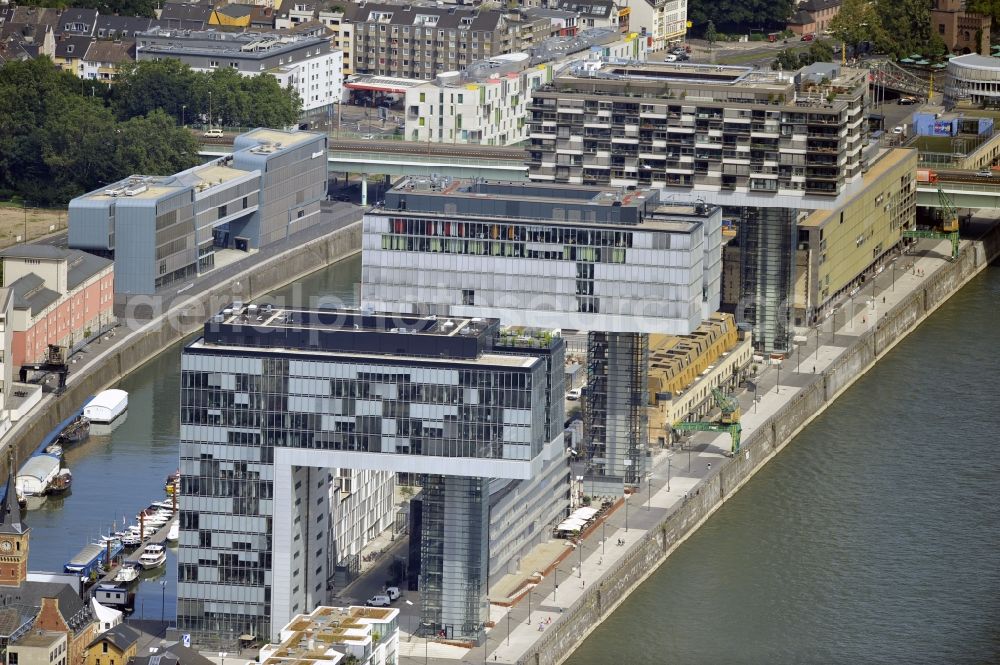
(361, 503)
(663, 20)
(310, 64)
(485, 105)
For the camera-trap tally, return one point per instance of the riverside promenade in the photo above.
(531, 631)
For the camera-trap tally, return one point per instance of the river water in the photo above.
(872, 538)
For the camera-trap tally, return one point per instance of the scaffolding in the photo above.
(767, 263)
(615, 421)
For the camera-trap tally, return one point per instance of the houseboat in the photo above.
(107, 410)
(34, 478)
(88, 560)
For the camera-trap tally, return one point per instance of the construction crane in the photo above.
(729, 419)
(947, 228)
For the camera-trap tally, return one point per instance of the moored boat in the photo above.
(153, 556)
(127, 573)
(61, 483)
(175, 532)
(75, 432)
(54, 449)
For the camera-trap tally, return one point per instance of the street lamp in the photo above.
(579, 547)
(626, 511)
(163, 599)
(669, 460)
(529, 607)
(183, 110)
(777, 380)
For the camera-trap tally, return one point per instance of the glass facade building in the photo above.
(273, 400)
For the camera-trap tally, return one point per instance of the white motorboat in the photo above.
(175, 531)
(131, 539)
(153, 556)
(127, 573)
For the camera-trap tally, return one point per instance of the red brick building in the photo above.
(962, 32)
(813, 17)
(61, 297)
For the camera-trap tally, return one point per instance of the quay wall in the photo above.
(759, 447)
(183, 315)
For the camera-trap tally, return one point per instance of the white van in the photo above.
(392, 592)
(378, 600)
(213, 134)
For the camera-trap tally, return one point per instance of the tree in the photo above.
(235, 100)
(787, 60)
(119, 7)
(857, 21)
(58, 140)
(739, 16)
(710, 33)
(909, 24)
(819, 51)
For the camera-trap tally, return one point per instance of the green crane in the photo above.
(729, 419)
(948, 228)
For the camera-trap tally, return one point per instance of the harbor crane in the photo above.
(947, 228)
(728, 421)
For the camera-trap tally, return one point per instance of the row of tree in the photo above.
(120, 7)
(60, 136)
(233, 100)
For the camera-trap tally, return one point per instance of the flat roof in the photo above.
(286, 139)
(362, 334)
(39, 639)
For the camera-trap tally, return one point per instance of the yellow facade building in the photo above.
(113, 647)
(838, 247)
(684, 369)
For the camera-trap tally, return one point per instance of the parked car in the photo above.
(898, 129)
(809, 37)
(213, 133)
(906, 101)
(985, 173)
(378, 600)
(683, 57)
(670, 57)
(392, 592)
(573, 394)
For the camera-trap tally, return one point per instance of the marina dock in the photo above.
(158, 538)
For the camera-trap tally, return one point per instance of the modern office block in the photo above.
(273, 399)
(161, 230)
(585, 258)
(619, 263)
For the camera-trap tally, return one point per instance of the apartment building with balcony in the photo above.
(765, 142)
(417, 41)
(699, 126)
(485, 104)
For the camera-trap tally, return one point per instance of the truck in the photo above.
(926, 175)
